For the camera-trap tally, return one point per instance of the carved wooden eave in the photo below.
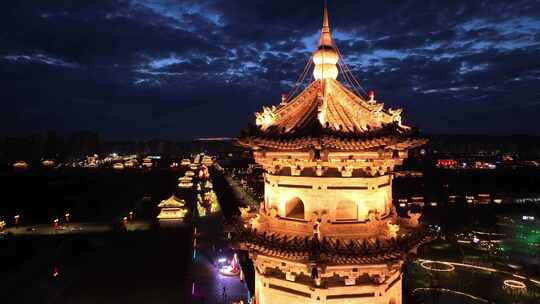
(332, 142)
(332, 251)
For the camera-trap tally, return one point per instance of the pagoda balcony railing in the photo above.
(304, 281)
(302, 227)
(293, 219)
(289, 225)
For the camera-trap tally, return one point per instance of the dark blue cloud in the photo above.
(182, 69)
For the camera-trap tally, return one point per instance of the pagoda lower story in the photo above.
(291, 282)
(328, 240)
(327, 231)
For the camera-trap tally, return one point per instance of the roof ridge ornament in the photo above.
(265, 118)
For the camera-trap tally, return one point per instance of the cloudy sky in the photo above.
(180, 69)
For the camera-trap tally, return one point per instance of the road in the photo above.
(73, 228)
(209, 285)
(241, 193)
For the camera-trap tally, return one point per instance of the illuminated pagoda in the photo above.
(172, 209)
(327, 231)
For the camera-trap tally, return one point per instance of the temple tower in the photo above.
(327, 231)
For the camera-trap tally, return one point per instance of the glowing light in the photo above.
(429, 265)
(483, 268)
(514, 284)
(451, 291)
(228, 270)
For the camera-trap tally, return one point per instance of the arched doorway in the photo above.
(346, 211)
(294, 208)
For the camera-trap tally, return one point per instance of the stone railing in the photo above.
(289, 226)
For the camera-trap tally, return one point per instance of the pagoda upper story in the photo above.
(328, 115)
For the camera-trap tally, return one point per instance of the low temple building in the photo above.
(172, 209)
(147, 162)
(327, 231)
(207, 160)
(47, 163)
(185, 182)
(20, 165)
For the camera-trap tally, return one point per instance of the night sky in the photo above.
(181, 69)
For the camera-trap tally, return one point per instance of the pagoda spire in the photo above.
(325, 16)
(326, 36)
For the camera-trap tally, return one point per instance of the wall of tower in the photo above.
(273, 289)
(342, 199)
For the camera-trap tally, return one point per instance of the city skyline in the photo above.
(185, 69)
